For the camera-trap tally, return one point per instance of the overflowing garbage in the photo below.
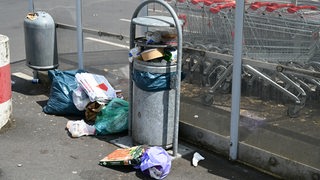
(157, 46)
(156, 49)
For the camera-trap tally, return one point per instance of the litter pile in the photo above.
(104, 112)
(90, 96)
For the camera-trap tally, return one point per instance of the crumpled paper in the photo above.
(156, 162)
(196, 158)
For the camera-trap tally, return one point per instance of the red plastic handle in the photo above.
(297, 8)
(275, 6)
(184, 18)
(257, 5)
(217, 9)
(210, 2)
(197, 1)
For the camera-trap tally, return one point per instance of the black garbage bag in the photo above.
(60, 101)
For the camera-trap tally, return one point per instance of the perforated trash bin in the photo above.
(153, 106)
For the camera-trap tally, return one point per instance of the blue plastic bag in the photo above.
(60, 101)
(113, 118)
(153, 81)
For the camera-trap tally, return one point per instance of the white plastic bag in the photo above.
(80, 98)
(96, 86)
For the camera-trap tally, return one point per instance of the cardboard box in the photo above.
(151, 54)
(126, 156)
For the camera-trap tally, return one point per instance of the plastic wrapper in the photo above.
(134, 53)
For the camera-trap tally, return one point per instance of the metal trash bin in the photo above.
(153, 112)
(40, 41)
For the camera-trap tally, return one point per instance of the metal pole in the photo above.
(79, 34)
(178, 82)
(31, 6)
(143, 12)
(236, 80)
(34, 72)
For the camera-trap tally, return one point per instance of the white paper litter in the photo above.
(196, 158)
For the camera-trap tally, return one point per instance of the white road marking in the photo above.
(107, 42)
(157, 10)
(126, 20)
(23, 76)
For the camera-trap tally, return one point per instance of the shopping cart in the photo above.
(276, 35)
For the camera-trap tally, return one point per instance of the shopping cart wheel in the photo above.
(207, 99)
(293, 111)
(225, 87)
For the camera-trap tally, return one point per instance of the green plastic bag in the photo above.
(113, 117)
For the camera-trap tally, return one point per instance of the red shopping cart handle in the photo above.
(211, 2)
(276, 6)
(217, 8)
(197, 1)
(208, 2)
(297, 8)
(257, 5)
(184, 18)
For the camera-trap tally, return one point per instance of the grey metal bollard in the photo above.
(40, 41)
